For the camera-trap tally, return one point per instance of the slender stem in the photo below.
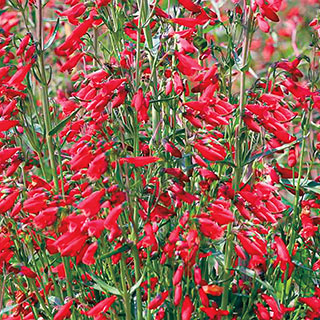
(126, 297)
(45, 97)
(138, 54)
(238, 171)
(293, 233)
(2, 290)
(137, 275)
(245, 55)
(226, 271)
(155, 113)
(149, 282)
(67, 269)
(61, 173)
(135, 251)
(251, 299)
(95, 45)
(33, 287)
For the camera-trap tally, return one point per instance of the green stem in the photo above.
(239, 170)
(248, 311)
(61, 173)
(293, 232)
(33, 287)
(45, 97)
(227, 266)
(138, 54)
(126, 297)
(137, 275)
(149, 282)
(67, 269)
(242, 98)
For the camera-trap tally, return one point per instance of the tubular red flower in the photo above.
(102, 306)
(213, 153)
(112, 217)
(23, 44)
(28, 272)
(72, 62)
(187, 308)
(73, 13)
(64, 312)
(191, 6)
(139, 161)
(19, 76)
(210, 229)
(177, 294)
(158, 300)
(88, 257)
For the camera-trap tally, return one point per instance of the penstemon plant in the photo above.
(159, 159)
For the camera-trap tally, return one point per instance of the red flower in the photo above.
(177, 277)
(283, 256)
(158, 300)
(177, 83)
(64, 311)
(212, 289)
(191, 6)
(172, 149)
(214, 313)
(262, 312)
(187, 308)
(97, 167)
(92, 204)
(28, 272)
(73, 12)
(277, 313)
(19, 76)
(139, 161)
(187, 65)
(35, 204)
(71, 62)
(8, 202)
(210, 228)
(213, 153)
(111, 221)
(221, 214)
(72, 41)
(112, 85)
(88, 257)
(46, 218)
(102, 306)
(263, 24)
(141, 104)
(23, 44)
(177, 295)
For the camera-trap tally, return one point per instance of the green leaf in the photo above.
(137, 284)
(113, 252)
(301, 265)
(63, 123)
(7, 309)
(267, 153)
(164, 99)
(53, 36)
(55, 301)
(312, 186)
(200, 43)
(102, 286)
(253, 275)
(226, 162)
